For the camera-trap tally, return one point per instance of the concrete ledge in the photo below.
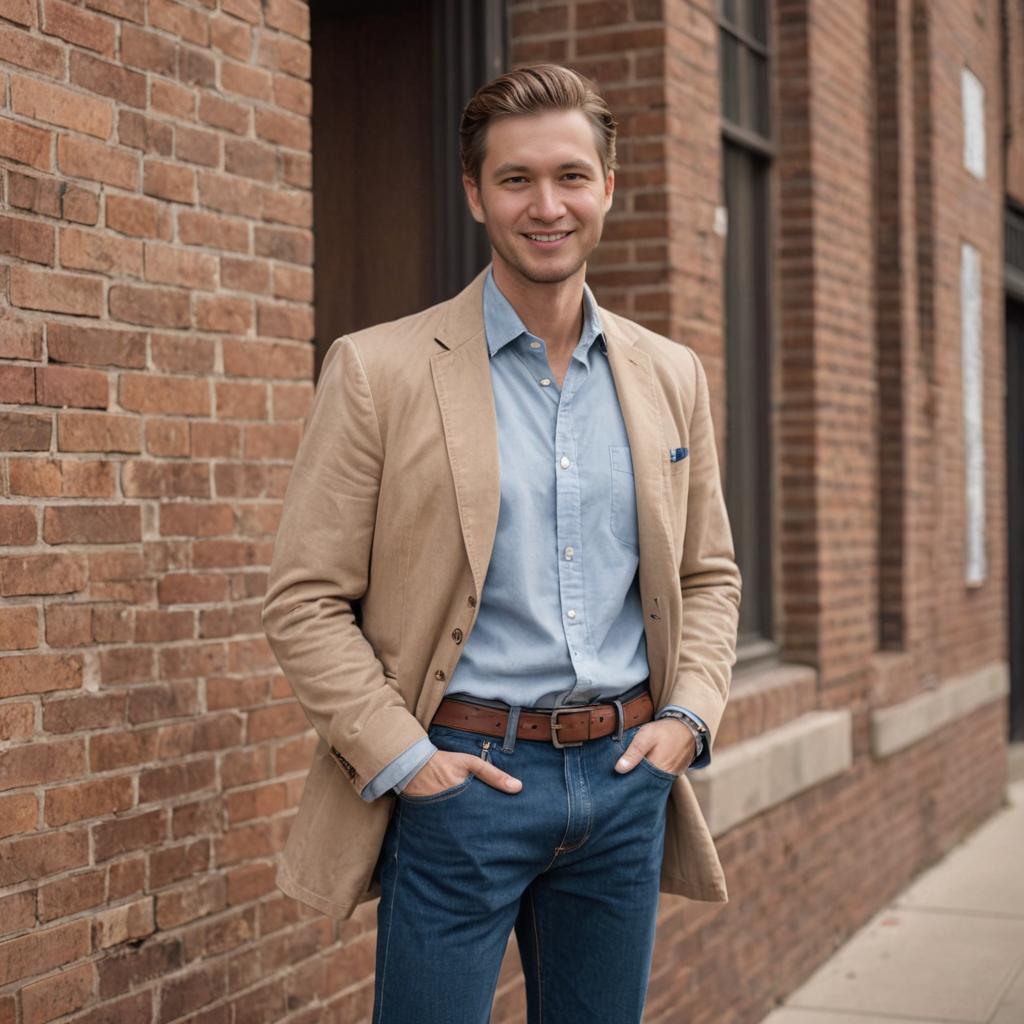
(767, 770)
(897, 727)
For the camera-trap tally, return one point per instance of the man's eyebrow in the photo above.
(569, 165)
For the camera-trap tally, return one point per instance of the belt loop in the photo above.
(508, 745)
(620, 719)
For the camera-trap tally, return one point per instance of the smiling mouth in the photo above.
(548, 237)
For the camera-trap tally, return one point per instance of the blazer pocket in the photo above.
(679, 460)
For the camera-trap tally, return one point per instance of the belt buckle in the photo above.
(556, 725)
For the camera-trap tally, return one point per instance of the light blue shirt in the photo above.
(560, 621)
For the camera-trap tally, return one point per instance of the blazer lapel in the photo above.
(462, 382)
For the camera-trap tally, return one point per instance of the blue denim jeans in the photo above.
(571, 862)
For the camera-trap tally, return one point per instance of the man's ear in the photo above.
(472, 188)
(609, 190)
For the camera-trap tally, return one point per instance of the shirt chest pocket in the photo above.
(622, 523)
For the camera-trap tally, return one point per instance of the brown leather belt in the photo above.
(565, 726)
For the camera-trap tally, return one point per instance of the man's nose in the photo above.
(546, 205)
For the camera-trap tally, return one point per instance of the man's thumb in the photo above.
(631, 757)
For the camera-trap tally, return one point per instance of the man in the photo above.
(522, 493)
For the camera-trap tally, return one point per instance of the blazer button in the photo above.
(457, 635)
(439, 674)
(472, 601)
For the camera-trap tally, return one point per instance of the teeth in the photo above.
(548, 238)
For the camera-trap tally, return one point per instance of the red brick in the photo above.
(39, 673)
(150, 307)
(255, 83)
(62, 478)
(191, 588)
(297, 169)
(17, 721)
(92, 524)
(68, 385)
(41, 574)
(94, 798)
(111, 750)
(20, 339)
(229, 194)
(17, 525)
(263, 359)
(196, 67)
(28, 51)
(146, 133)
(106, 79)
(21, 11)
(18, 814)
(157, 627)
(42, 950)
(148, 50)
(169, 181)
(56, 996)
(230, 36)
(196, 520)
(84, 712)
(77, 26)
(245, 275)
(146, 479)
(168, 437)
(36, 856)
(17, 385)
(127, 923)
(98, 346)
(126, 834)
(174, 99)
(26, 239)
(25, 144)
(208, 229)
(97, 162)
(143, 218)
(25, 432)
(97, 432)
(178, 353)
(247, 10)
(19, 628)
(281, 321)
(36, 763)
(81, 205)
(289, 16)
(284, 129)
(294, 208)
(66, 108)
(223, 313)
(284, 54)
(57, 293)
(66, 896)
(130, 10)
(99, 251)
(293, 94)
(157, 785)
(284, 244)
(215, 440)
(291, 401)
(40, 195)
(180, 20)
(221, 113)
(197, 146)
(167, 265)
(250, 159)
(151, 393)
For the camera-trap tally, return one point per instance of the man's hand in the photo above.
(667, 743)
(448, 768)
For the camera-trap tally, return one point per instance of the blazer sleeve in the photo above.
(321, 565)
(709, 577)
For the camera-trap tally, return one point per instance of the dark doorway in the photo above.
(1015, 507)
(390, 77)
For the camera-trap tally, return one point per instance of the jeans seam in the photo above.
(536, 947)
(391, 915)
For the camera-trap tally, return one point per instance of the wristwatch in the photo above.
(699, 732)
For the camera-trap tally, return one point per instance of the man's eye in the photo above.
(515, 180)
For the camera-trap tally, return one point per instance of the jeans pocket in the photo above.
(653, 769)
(444, 794)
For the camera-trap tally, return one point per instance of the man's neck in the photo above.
(552, 312)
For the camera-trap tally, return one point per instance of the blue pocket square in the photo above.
(676, 454)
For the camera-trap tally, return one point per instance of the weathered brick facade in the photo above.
(156, 234)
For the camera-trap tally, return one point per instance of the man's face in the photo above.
(542, 194)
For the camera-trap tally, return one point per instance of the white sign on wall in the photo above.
(973, 405)
(972, 94)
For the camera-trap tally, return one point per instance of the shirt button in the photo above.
(569, 553)
(534, 344)
(545, 382)
(564, 462)
(571, 613)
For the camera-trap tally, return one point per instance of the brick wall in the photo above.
(1014, 29)
(155, 174)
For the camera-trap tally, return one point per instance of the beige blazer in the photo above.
(393, 500)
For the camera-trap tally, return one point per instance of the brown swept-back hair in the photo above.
(533, 89)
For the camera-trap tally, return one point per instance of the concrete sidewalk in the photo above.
(950, 948)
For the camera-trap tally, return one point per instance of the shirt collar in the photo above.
(503, 324)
